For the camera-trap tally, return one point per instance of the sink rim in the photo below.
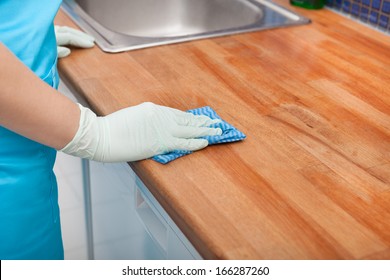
(171, 18)
(113, 42)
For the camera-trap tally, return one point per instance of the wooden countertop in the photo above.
(312, 179)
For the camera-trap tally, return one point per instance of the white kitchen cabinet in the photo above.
(128, 222)
(161, 227)
(117, 231)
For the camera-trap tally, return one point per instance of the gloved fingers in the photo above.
(70, 36)
(189, 119)
(188, 132)
(63, 52)
(69, 30)
(188, 144)
(73, 40)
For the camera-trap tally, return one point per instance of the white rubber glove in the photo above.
(72, 37)
(138, 132)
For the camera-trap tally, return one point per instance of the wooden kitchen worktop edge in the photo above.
(99, 78)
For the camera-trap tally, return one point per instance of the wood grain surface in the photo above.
(312, 179)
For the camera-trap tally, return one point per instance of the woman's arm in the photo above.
(30, 107)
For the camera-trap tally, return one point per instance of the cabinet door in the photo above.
(161, 228)
(117, 231)
(128, 222)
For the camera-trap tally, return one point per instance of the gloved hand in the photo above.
(69, 36)
(138, 132)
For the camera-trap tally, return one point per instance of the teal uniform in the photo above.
(29, 212)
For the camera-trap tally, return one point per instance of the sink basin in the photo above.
(121, 25)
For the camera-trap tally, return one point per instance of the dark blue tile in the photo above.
(364, 14)
(366, 2)
(373, 17)
(376, 4)
(338, 4)
(355, 9)
(384, 21)
(329, 3)
(386, 7)
(346, 6)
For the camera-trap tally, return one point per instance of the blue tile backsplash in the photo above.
(373, 12)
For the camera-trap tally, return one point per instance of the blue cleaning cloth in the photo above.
(229, 134)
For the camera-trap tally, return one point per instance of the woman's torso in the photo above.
(29, 214)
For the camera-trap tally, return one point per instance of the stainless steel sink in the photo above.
(120, 25)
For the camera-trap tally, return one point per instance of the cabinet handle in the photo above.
(154, 224)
